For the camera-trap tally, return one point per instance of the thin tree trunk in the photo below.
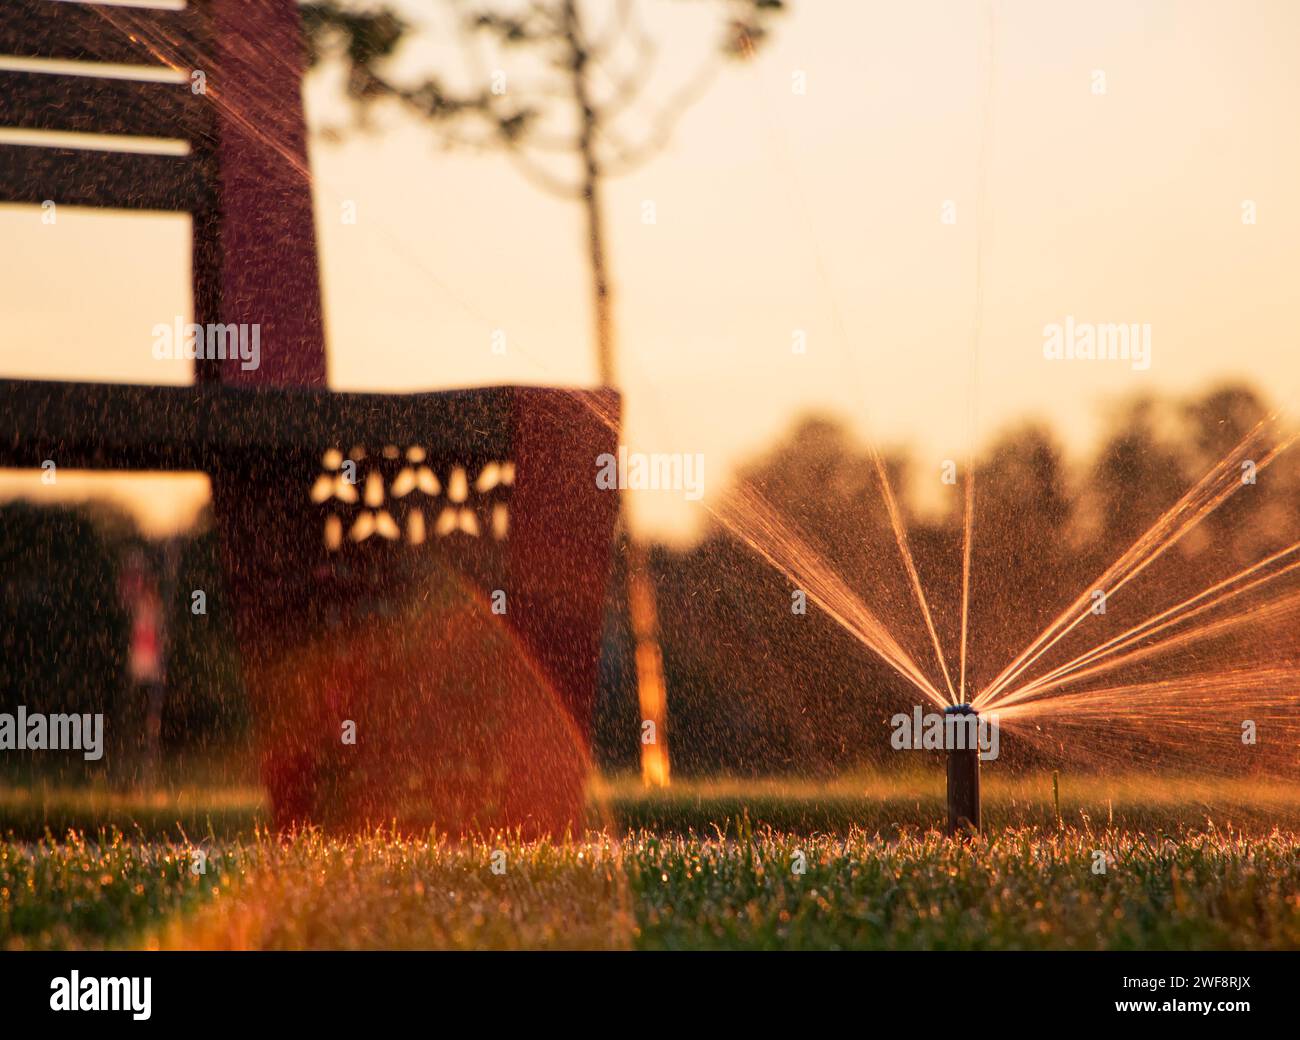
(592, 201)
(651, 691)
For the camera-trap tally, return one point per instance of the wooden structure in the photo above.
(418, 579)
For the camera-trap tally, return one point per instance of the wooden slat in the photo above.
(97, 104)
(99, 426)
(114, 180)
(98, 32)
(464, 424)
(121, 426)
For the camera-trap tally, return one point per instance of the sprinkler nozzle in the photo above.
(961, 734)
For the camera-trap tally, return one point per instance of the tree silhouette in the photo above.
(592, 82)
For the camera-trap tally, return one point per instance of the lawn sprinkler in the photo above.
(961, 737)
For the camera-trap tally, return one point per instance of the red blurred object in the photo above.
(139, 590)
(370, 541)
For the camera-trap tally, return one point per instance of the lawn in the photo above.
(728, 864)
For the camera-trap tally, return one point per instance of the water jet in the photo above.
(963, 770)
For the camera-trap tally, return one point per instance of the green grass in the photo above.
(885, 804)
(892, 805)
(702, 865)
(32, 812)
(1017, 889)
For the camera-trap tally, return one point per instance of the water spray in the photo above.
(963, 770)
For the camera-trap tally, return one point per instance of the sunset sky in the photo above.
(778, 211)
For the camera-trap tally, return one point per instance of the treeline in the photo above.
(755, 687)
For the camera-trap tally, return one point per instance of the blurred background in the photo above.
(840, 224)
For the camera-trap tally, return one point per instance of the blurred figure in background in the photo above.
(146, 664)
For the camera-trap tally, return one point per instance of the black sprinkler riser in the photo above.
(963, 782)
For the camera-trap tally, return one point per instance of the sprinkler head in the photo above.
(961, 735)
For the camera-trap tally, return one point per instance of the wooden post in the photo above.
(255, 247)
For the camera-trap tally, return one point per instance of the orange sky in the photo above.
(777, 211)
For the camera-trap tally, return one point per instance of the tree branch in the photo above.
(628, 157)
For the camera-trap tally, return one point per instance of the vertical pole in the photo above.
(963, 771)
(652, 691)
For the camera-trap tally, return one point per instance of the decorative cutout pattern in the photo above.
(397, 495)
